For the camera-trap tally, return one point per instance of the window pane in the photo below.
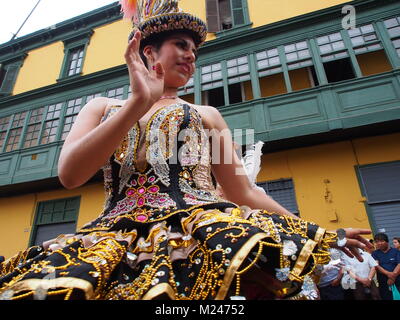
(391, 23)
(272, 52)
(301, 45)
(216, 67)
(53, 111)
(49, 133)
(263, 64)
(322, 40)
(31, 135)
(36, 115)
(50, 231)
(325, 48)
(92, 96)
(395, 32)
(217, 75)
(261, 55)
(243, 68)
(74, 106)
(338, 45)
(354, 32)
(19, 119)
(274, 61)
(370, 37)
(357, 41)
(283, 192)
(69, 121)
(13, 139)
(116, 93)
(4, 123)
(2, 138)
(367, 29)
(206, 69)
(242, 60)
(335, 37)
(290, 48)
(232, 71)
(206, 78)
(291, 56)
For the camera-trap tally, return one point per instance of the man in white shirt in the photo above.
(363, 274)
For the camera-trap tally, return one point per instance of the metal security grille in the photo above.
(380, 185)
(54, 218)
(282, 191)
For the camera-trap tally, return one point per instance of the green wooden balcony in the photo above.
(324, 109)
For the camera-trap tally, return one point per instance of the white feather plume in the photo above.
(252, 162)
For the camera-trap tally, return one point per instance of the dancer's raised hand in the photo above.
(147, 85)
(355, 240)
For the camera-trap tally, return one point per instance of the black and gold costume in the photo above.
(165, 233)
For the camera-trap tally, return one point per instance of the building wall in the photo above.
(324, 176)
(107, 45)
(269, 11)
(41, 68)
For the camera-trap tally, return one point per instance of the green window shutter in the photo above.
(237, 12)
(212, 11)
(53, 218)
(9, 79)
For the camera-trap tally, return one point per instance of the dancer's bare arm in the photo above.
(90, 143)
(230, 174)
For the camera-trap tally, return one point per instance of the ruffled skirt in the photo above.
(202, 254)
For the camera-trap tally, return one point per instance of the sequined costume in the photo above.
(165, 233)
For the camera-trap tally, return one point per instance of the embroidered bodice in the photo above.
(177, 172)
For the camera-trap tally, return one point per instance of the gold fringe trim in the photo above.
(159, 290)
(236, 262)
(302, 260)
(65, 282)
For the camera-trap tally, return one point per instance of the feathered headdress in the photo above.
(155, 16)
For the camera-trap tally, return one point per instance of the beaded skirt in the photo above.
(213, 261)
(165, 233)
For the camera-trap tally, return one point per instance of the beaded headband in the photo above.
(153, 17)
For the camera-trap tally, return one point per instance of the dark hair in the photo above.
(397, 238)
(382, 237)
(158, 39)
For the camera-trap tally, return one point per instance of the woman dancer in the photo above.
(164, 231)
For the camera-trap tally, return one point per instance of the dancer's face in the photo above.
(177, 55)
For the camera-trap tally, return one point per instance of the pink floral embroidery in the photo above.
(142, 193)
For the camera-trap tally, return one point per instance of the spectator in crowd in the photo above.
(1, 259)
(389, 266)
(396, 243)
(329, 285)
(359, 277)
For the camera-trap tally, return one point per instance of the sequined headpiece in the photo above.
(153, 17)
